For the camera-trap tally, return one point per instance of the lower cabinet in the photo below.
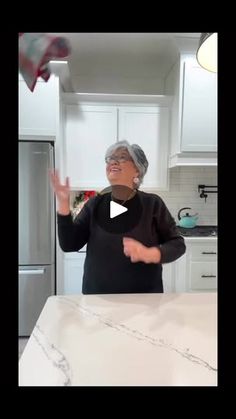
(203, 276)
(196, 270)
(73, 272)
(168, 277)
(201, 269)
(179, 274)
(174, 276)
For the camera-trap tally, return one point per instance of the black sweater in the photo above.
(107, 270)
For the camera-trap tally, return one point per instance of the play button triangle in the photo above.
(116, 209)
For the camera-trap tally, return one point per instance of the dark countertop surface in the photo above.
(199, 231)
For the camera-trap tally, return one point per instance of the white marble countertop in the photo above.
(123, 340)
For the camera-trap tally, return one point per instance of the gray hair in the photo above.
(137, 154)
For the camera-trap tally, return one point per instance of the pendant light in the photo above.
(207, 51)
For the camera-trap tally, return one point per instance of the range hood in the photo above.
(193, 159)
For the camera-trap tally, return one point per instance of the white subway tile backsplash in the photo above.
(183, 192)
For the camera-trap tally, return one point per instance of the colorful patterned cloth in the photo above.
(35, 52)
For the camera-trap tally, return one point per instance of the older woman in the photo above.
(125, 260)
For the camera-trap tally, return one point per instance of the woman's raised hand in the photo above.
(62, 192)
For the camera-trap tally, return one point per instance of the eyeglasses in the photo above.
(119, 159)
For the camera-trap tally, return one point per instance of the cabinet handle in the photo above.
(208, 276)
(208, 253)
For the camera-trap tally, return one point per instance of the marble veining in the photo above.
(138, 335)
(53, 354)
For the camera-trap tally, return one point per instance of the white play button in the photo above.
(116, 209)
(109, 204)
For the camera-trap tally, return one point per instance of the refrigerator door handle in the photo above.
(32, 271)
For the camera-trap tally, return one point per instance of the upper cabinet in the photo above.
(193, 113)
(149, 128)
(91, 128)
(39, 110)
(199, 110)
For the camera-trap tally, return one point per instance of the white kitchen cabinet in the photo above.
(73, 272)
(196, 270)
(193, 114)
(38, 110)
(148, 127)
(201, 273)
(168, 277)
(199, 108)
(201, 266)
(174, 275)
(203, 276)
(91, 129)
(179, 274)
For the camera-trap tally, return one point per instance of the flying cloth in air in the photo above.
(35, 52)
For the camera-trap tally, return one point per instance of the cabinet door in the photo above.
(203, 252)
(38, 109)
(168, 279)
(90, 130)
(199, 108)
(203, 276)
(148, 127)
(179, 274)
(74, 269)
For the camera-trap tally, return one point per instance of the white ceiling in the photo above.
(125, 54)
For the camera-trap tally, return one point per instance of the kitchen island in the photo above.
(123, 340)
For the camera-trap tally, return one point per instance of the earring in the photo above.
(136, 180)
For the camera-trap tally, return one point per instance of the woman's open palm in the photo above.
(62, 191)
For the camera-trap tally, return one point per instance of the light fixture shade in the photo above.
(207, 51)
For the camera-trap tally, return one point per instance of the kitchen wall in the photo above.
(183, 192)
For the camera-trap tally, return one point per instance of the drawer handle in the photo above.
(208, 276)
(208, 253)
(32, 272)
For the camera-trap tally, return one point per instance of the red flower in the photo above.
(89, 194)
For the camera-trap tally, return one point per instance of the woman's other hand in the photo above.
(62, 193)
(140, 253)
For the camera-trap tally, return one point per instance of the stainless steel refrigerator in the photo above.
(36, 232)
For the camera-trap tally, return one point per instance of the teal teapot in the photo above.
(186, 220)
